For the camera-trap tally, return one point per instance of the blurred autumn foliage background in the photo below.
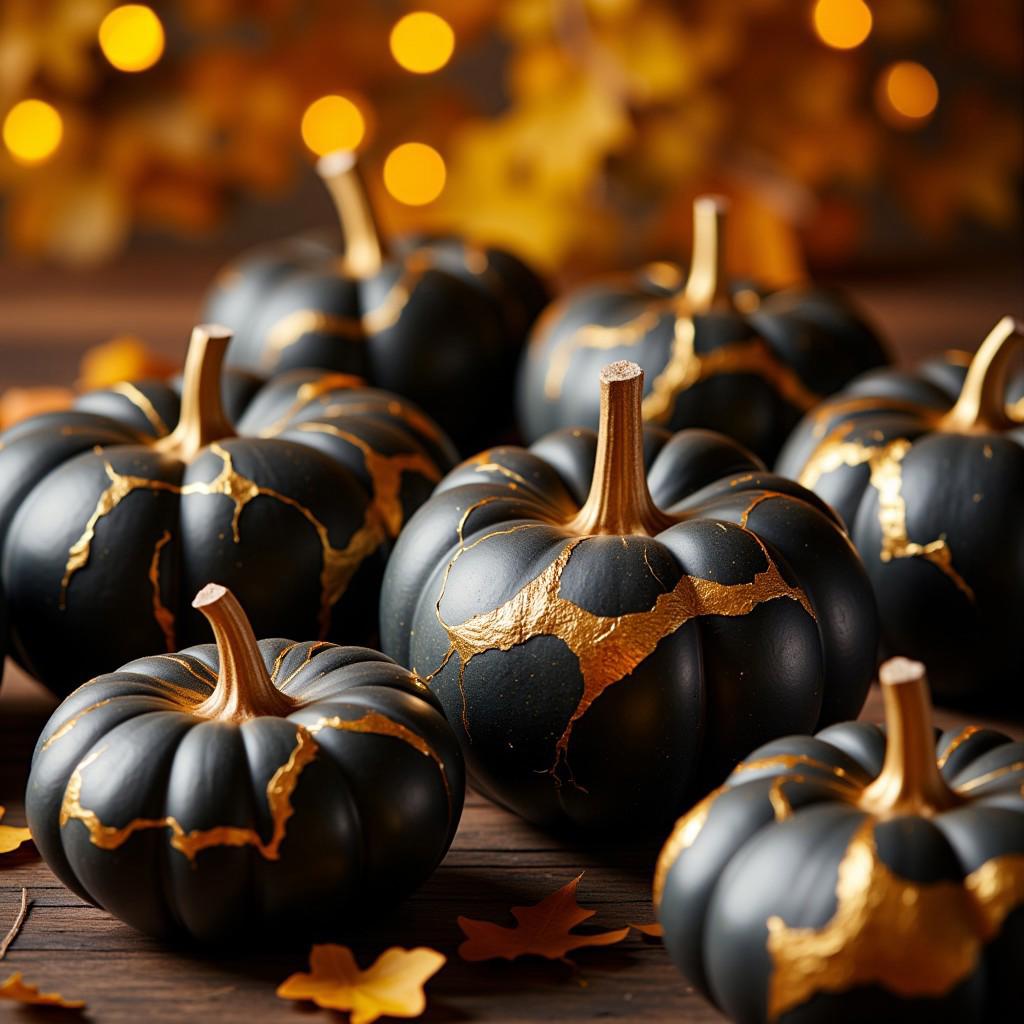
(849, 134)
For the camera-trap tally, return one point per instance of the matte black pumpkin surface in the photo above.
(239, 791)
(859, 875)
(437, 319)
(927, 470)
(728, 357)
(112, 514)
(606, 651)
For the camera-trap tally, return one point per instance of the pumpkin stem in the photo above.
(244, 688)
(202, 419)
(363, 250)
(619, 502)
(706, 284)
(981, 407)
(910, 781)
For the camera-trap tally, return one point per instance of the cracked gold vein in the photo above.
(385, 472)
(129, 391)
(310, 392)
(607, 647)
(683, 836)
(161, 613)
(338, 565)
(279, 802)
(61, 731)
(375, 724)
(684, 367)
(956, 742)
(913, 939)
(884, 462)
(311, 651)
(190, 668)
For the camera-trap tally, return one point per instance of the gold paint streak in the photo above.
(766, 496)
(683, 835)
(64, 729)
(418, 421)
(339, 564)
(886, 476)
(128, 390)
(996, 773)
(842, 407)
(279, 801)
(912, 939)
(607, 648)
(484, 463)
(790, 761)
(391, 307)
(282, 654)
(965, 734)
(998, 888)
(309, 393)
(210, 681)
(376, 724)
(163, 615)
(781, 807)
(385, 473)
(310, 652)
(293, 327)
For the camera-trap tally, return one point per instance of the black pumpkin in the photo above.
(612, 619)
(732, 358)
(439, 320)
(109, 518)
(857, 875)
(927, 469)
(243, 788)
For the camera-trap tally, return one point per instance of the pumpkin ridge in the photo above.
(279, 791)
(161, 613)
(126, 389)
(308, 393)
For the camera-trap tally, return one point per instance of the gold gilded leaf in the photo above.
(12, 838)
(22, 992)
(541, 930)
(392, 985)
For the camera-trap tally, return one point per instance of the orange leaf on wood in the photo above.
(541, 930)
(22, 992)
(652, 930)
(11, 838)
(122, 358)
(392, 985)
(17, 404)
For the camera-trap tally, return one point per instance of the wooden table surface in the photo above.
(46, 320)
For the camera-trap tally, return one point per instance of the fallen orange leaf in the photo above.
(541, 930)
(22, 992)
(652, 930)
(11, 838)
(17, 404)
(123, 358)
(392, 985)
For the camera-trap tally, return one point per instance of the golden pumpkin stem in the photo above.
(619, 501)
(981, 407)
(910, 781)
(363, 250)
(706, 285)
(244, 688)
(202, 420)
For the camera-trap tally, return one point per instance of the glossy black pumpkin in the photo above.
(612, 620)
(110, 519)
(245, 789)
(436, 319)
(728, 357)
(927, 470)
(857, 875)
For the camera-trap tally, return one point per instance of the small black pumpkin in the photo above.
(857, 875)
(927, 469)
(729, 357)
(439, 320)
(109, 518)
(611, 620)
(236, 789)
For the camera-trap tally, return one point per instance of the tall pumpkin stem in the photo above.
(363, 249)
(202, 420)
(981, 407)
(619, 501)
(244, 688)
(706, 285)
(910, 781)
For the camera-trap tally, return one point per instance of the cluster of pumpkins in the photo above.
(598, 628)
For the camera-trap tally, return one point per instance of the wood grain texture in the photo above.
(496, 860)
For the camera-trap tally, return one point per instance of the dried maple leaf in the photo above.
(541, 930)
(652, 930)
(392, 985)
(11, 838)
(22, 992)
